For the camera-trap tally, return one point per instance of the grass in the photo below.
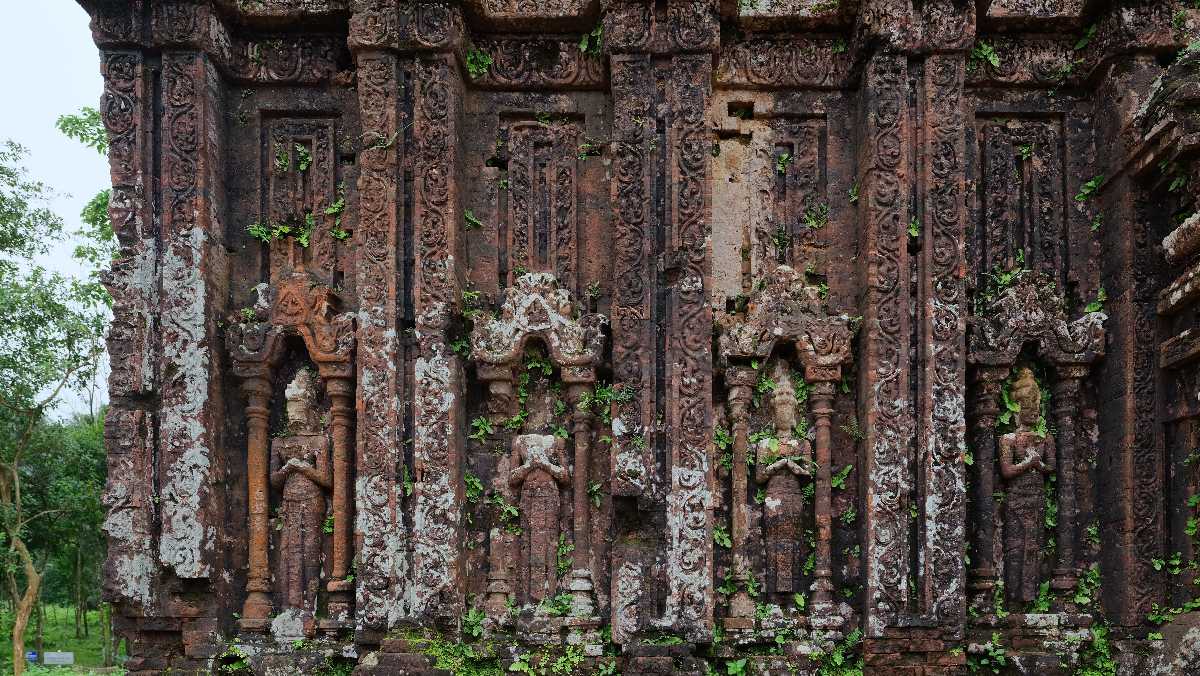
(58, 636)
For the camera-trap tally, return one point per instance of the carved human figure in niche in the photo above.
(781, 467)
(301, 477)
(1026, 457)
(539, 477)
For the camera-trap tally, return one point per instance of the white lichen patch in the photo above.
(184, 538)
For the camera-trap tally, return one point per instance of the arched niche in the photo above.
(301, 312)
(1024, 322)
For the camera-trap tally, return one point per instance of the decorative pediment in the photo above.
(537, 307)
(788, 310)
(1031, 310)
(299, 306)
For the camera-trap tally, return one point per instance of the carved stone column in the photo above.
(983, 479)
(820, 398)
(1065, 407)
(740, 382)
(582, 583)
(256, 611)
(341, 417)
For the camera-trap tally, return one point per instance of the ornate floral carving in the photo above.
(539, 63)
(771, 63)
(887, 359)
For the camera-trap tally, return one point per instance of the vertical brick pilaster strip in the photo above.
(131, 569)
(943, 391)
(437, 438)
(192, 290)
(379, 530)
(689, 345)
(633, 365)
(885, 344)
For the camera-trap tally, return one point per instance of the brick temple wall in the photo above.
(653, 337)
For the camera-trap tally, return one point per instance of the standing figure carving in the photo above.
(538, 321)
(1026, 459)
(301, 477)
(307, 467)
(786, 326)
(540, 477)
(783, 463)
(1027, 318)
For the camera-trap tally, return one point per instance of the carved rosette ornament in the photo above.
(537, 312)
(785, 321)
(297, 307)
(1026, 318)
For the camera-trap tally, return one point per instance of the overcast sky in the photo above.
(51, 67)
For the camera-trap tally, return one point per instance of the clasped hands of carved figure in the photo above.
(1034, 459)
(305, 469)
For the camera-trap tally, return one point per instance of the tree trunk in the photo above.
(79, 609)
(105, 636)
(39, 643)
(25, 606)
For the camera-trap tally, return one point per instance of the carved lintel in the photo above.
(1030, 310)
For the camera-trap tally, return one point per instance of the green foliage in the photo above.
(474, 487)
(303, 157)
(509, 513)
(470, 222)
(782, 161)
(234, 661)
(981, 53)
(472, 622)
(563, 557)
(50, 342)
(854, 193)
(335, 210)
(816, 216)
(601, 400)
(1097, 305)
(838, 480)
(594, 493)
(592, 42)
(914, 227)
(849, 516)
(85, 127)
(1096, 657)
(558, 605)
(1026, 151)
(1088, 585)
(478, 62)
(481, 429)
(1088, 189)
(1086, 37)
(781, 238)
(721, 536)
(840, 661)
(992, 659)
(1041, 604)
(460, 659)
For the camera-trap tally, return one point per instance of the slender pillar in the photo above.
(256, 611)
(740, 380)
(341, 411)
(988, 380)
(1065, 411)
(820, 398)
(581, 420)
